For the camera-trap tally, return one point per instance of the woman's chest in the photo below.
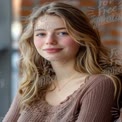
(46, 113)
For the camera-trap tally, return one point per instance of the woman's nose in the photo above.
(51, 40)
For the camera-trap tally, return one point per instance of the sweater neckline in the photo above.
(71, 96)
(65, 101)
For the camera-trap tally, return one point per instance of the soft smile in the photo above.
(52, 50)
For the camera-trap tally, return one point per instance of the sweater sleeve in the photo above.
(97, 103)
(13, 112)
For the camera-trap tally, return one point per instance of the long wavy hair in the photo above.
(37, 73)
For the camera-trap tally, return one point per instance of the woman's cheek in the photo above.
(70, 42)
(38, 43)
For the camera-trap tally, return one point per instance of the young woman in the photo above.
(63, 66)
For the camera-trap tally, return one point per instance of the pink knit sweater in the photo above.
(92, 102)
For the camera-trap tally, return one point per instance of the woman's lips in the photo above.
(52, 50)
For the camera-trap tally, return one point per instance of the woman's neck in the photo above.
(65, 72)
(63, 69)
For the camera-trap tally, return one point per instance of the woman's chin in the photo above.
(51, 59)
(55, 59)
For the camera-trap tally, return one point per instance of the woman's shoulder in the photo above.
(97, 86)
(99, 80)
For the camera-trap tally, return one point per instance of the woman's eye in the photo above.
(62, 33)
(41, 34)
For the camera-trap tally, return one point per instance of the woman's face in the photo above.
(52, 40)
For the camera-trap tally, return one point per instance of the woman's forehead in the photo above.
(49, 22)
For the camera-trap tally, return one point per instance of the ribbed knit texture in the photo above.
(92, 102)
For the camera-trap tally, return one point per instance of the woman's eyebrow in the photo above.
(41, 29)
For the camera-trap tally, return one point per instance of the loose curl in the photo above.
(37, 73)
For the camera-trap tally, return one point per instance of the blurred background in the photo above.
(105, 15)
